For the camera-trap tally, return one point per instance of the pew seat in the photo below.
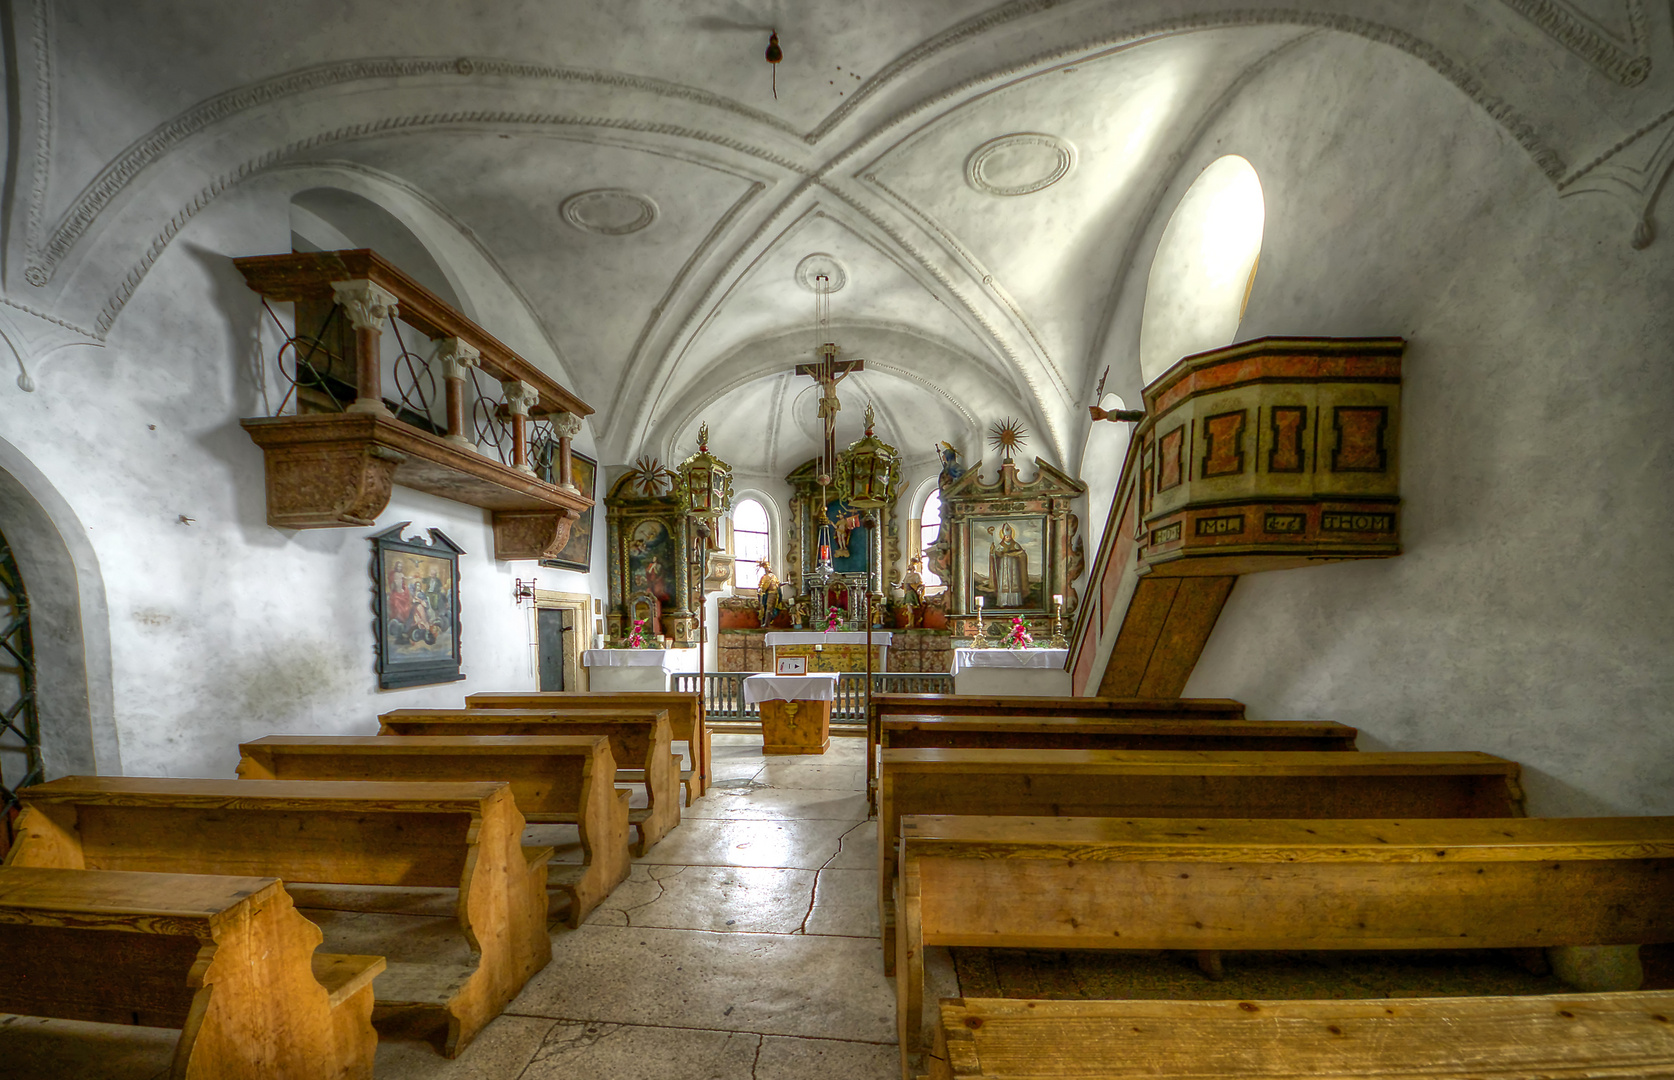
(463, 836)
(228, 960)
(567, 779)
(1217, 884)
(639, 738)
(1489, 1038)
(686, 719)
(1179, 784)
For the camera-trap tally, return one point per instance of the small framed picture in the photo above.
(793, 665)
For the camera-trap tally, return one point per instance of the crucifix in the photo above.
(828, 372)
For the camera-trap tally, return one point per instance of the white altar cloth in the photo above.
(668, 659)
(1008, 658)
(815, 637)
(817, 687)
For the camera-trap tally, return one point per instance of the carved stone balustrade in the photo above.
(336, 469)
(1271, 454)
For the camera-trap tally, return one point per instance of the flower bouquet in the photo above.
(833, 619)
(1019, 637)
(638, 640)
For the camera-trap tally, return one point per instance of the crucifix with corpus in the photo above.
(828, 372)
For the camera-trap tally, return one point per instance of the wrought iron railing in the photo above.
(20, 729)
(723, 692)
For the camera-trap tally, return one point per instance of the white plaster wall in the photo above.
(1530, 613)
(225, 629)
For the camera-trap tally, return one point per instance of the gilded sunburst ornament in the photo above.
(1008, 436)
(649, 477)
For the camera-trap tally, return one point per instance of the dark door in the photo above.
(554, 623)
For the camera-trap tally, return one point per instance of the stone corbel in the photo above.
(532, 534)
(311, 487)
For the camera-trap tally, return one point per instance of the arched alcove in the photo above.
(69, 622)
(331, 219)
(1204, 269)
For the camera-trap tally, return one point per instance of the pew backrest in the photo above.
(1106, 733)
(1114, 708)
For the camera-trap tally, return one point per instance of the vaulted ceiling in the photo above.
(614, 189)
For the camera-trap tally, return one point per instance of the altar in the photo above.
(837, 651)
(795, 711)
(636, 669)
(1011, 672)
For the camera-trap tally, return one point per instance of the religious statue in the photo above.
(951, 469)
(1008, 569)
(771, 603)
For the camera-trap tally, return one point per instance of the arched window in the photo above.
(1204, 268)
(929, 527)
(752, 540)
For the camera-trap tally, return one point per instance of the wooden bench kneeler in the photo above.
(450, 835)
(568, 779)
(638, 737)
(1509, 1038)
(1174, 784)
(686, 720)
(228, 960)
(1206, 883)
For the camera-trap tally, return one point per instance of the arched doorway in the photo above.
(20, 723)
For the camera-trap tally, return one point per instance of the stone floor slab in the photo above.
(797, 774)
(794, 844)
(822, 987)
(761, 802)
(845, 904)
(499, 1052)
(723, 899)
(799, 1059)
(578, 1050)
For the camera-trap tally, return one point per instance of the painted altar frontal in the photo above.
(833, 652)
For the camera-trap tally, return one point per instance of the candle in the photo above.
(979, 601)
(1057, 598)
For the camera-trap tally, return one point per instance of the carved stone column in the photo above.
(456, 356)
(567, 425)
(367, 307)
(520, 398)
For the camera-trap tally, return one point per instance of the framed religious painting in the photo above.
(415, 603)
(577, 553)
(1008, 562)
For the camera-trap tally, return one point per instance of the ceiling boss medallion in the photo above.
(609, 211)
(1019, 164)
(810, 270)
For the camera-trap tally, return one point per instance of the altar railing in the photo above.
(723, 692)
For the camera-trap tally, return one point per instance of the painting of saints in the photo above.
(651, 561)
(1008, 569)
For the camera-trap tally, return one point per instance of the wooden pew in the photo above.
(1557, 1035)
(228, 960)
(886, 705)
(685, 718)
(1101, 733)
(639, 738)
(554, 778)
(1180, 784)
(458, 835)
(1204, 883)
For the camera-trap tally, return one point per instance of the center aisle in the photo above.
(745, 944)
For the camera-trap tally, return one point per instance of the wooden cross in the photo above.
(828, 372)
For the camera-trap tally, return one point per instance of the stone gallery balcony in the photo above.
(497, 436)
